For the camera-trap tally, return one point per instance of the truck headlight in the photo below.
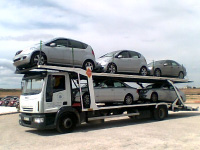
(38, 120)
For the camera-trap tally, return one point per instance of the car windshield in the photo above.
(32, 86)
(109, 54)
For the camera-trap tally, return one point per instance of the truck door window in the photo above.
(59, 83)
(55, 84)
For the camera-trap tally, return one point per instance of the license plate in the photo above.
(26, 118)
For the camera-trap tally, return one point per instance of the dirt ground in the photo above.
(180, 131)
(10, 92)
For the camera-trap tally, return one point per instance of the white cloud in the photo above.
(157, 29)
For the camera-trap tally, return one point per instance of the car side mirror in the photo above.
(119, 56)
(53, 45)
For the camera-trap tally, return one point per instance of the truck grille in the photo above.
(27, 109)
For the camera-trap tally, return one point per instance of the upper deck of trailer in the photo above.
(122, 77)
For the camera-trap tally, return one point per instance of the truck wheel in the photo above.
(86, 100)
(160, 113)
(66, 123)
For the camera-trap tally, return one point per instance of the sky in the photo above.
(167, 29)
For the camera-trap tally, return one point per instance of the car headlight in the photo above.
(38, 120)
(150, 68)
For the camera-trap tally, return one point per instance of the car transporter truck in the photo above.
(43, 106)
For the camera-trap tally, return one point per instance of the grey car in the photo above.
(109, 91)
(61, 51)
(167, 68)
(124, 61)
(160, 92)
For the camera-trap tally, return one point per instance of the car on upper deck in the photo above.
(59, 51)
(126, 61)
(167, 68)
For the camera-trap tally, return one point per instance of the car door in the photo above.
(167, 68)
(122, 60)
(134, 61)
(166, 93)
(175, 68)
(77, 53)
(58, 51)
(105, 92)
(120, 91)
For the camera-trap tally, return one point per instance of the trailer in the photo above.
(45, 106)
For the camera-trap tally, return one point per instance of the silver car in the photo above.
(167, 68)
(124, 61)
(109, 91)
(60, 51)
(160, 92)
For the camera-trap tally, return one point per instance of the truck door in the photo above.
(57, 93)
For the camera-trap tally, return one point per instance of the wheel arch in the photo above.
(38, 51)
(157, 69)
(130, 95)
(180, 73)
(89, 60)
(67, 110)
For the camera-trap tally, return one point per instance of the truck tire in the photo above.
(160, 113)
(66, 123)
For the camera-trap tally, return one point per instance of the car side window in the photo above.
(124, 54)
(76, 44)
(60, 43)
(134, 55)
(168, 63)
(118, 84)
(107, 84)
(174, 63)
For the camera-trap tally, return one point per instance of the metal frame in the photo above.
(123, 77)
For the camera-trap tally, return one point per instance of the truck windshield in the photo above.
(32, 86)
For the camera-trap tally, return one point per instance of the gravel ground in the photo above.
(180, 131)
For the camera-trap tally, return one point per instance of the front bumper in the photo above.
(28, 120)
(22, 60)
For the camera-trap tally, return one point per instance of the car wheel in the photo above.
(160, 113)
(66, 123)
(112, 68)
(143, 71)
(86, 100)
(157, 73)
(128, 100)
(36, 59)
(154, 97)
(181, 75)
(88, 63)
